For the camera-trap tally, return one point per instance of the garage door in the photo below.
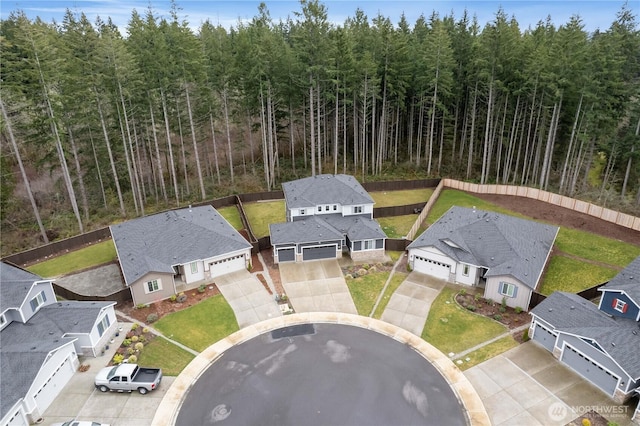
(589, 370)
(286, 255)
(226, 266)
(52, 387)
(431, 267)
(322, 252)
(18, 419)
(544, 337)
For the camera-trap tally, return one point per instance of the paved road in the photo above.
(248, 298)
(409, 305)
(338, 374)
(317, 286)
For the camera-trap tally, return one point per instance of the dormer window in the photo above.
(335, 207)
(357, 209)
(302, 211)
(38, 301)
(319, 208)
(620, 305)
(326, 208)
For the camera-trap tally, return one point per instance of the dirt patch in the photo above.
(561, 216)
(506, 315)
(165, 307)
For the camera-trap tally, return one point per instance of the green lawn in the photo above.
(93, 255)
(401, 198)
(261, 214)
(232, 215)
(566, 274)
(366, 289)
(395, 282)
(452, 197)
(164, 354)
(201, 325)
(397, 226)
(451, 328)
(595, 247)
(487, 352)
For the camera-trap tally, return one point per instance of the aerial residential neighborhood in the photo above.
(329, 218)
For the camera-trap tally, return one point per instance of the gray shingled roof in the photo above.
(506, 245)
(360, 227)
(325, 189)
(159, 242)
(26, 346)
(15, 284)
(572, 314)
(628, 280)
(303, 231)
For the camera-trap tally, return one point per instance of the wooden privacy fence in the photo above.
(590, 294)
(622, 219)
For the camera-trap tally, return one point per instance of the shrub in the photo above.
(348, 277)
(525, 335)
(497, 317)
(141, 306)
(139, 346)
(518, 309)
(586, 422)
(134, 326)
(118, 358)
(477, 298)
(202, 288)
(472, 308)
(131, 351)
(173, 297)
(503, 309)
(373, 269)
(152, 318)
(181, 298)
(463, 292)
(134, 338)
(126, 342)
(504, 302)
(362, 271)
(142, 339)
(366, 266)
(133, 359)
(145, 330)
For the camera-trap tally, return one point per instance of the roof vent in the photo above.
(572, 307)
(613, 344)
(550, 310)
(33, 348)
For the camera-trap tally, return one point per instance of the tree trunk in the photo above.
(203, 193)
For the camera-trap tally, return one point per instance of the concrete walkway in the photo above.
(248, 298)
(317, 286)
(409, 305)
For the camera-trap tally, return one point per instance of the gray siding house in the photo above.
(41, 341)
(158, 253)
(326, 216)
(602, 345)
(503, 254)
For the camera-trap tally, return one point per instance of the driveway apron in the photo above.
(316, 286)
(409, 305)
(248, 298)
(528, 386)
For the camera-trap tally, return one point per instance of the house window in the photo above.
(357, 209)
(153, 285)
(507, 289)
(194, 267)
(38, 301)
(319, 208)
(620, 305)
(465, 270)
(368, 245)
(103, 325)
(301, 212)
(326, 208)
(335, 207)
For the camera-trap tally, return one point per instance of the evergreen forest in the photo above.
(100, 125)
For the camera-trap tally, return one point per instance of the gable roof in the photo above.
(504, 244)
(15, 284)
(303, 231)
(159, 242)
(618, 337)
(359, 227)
(325, 189)
(628, 280)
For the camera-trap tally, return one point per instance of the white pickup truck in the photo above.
(128, 378)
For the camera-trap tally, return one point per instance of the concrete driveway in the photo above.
(409, 305)
(247, 297)
(316, 286)
(528, 386)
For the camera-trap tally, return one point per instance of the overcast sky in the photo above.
(595, 14)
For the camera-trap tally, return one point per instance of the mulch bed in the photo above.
(506, 315)
(593, 417)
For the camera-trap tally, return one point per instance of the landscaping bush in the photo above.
(133, 359)
(135, 326)
(173, 297)
(477, 297)
(139, 346)
(134, 338)
(503, 309)
(126, 342)
(118, 358)
(141, 306)
(153, 317)
(497, 317)
(463, 292)
(131, 351)
(517, 309)
(472, 308)
(145, 330)
(202, 288)
(525, 335)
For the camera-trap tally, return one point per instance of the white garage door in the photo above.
(18, 419)
(226, 266)
(431, 267)
(589, 370)
(52, 387)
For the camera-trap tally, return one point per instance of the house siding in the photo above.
(470, 279)
(141, 297)
(50, 295)
(606, 305)
(492, 291)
